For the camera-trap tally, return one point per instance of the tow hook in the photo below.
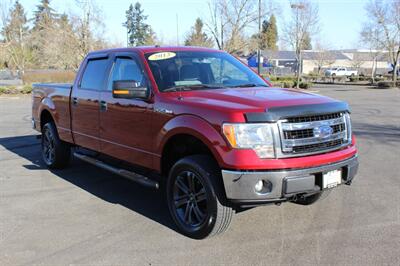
(348, 182)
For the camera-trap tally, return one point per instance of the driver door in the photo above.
(125, 123)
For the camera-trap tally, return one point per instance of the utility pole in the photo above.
(127, 37)
(177, 30)
(259, 39)
(298, 41)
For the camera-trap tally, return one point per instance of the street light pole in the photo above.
(259, 39)
(298, 41)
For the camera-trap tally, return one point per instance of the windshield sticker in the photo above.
(187, 82)
(161, 56)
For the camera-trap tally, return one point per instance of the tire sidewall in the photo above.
(62, 150)
(48, 127)
(186, 164)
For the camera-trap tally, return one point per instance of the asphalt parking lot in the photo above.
(84, 215)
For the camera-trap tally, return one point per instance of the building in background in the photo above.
(284, 62)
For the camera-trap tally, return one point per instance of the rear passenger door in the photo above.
(85, 99)
(125, 123)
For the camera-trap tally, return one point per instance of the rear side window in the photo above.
(94, 74)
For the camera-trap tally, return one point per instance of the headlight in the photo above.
(251, 136)
(348, 126)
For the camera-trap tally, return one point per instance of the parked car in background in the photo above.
(340, 72)
(200, 125)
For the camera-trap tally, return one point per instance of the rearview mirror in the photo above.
(129, 89)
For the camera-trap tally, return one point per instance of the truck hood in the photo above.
(256, 99)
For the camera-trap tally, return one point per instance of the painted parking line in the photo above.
(10, 97)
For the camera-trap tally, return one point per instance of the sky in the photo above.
(341, 20)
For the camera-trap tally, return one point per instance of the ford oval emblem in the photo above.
(323, 131)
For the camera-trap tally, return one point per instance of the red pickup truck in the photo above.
(200, 125)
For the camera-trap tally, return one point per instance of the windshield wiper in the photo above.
(192, 87)
(248, 85)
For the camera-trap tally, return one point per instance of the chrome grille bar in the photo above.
(308, 125)
(301, 137)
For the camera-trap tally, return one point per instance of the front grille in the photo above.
(309, 133)
(299, 134)
(313, 134)
(338, 128)
(313, 118)
(318, 146)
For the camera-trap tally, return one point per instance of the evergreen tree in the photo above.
(270, 33)
(306, 42)
(16, 27)
(45, 16)
(138, 32)
(198, 37)
(15, 32)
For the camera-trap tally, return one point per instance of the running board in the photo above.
(138, 178)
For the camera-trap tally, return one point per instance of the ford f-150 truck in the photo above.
(340, 72)
(200, 125)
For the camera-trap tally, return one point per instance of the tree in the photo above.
(269, 35)
(55, 41)
(15, 33)
(64, 50)
(382, 30)
(151, 37)
(138, 32)
(45, 16)
(298, 32)
(228, 22)
(88, 28)
(44, 29)
(306, 42)
(197, 37)
(357, 61)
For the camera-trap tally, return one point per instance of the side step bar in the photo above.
(140, 179)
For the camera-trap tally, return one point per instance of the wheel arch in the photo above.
(188, 131)
(46, 111)
(45, 117)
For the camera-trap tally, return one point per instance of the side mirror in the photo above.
(129, 89)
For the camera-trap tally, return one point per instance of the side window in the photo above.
(126, 69)
(94, 74)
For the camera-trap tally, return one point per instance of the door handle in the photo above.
(103, 106)
(75, 101)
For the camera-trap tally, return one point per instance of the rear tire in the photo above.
(56, 154)
(194, 198)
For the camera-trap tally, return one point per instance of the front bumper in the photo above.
(282, 184)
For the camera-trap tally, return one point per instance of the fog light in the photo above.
(259, 186)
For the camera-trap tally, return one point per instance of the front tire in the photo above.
(55, 153)
(194, 198)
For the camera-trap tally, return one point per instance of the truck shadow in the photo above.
(100, 183)
(383, 133)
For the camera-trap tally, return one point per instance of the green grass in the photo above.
(10, 90)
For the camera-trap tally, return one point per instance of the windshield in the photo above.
(183, 70)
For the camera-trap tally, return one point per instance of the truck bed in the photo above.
(53, 85)
(55, 98)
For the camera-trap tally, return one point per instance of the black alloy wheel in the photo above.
(190, 200)
(48, 147)
(194, 193)
(55, 153)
